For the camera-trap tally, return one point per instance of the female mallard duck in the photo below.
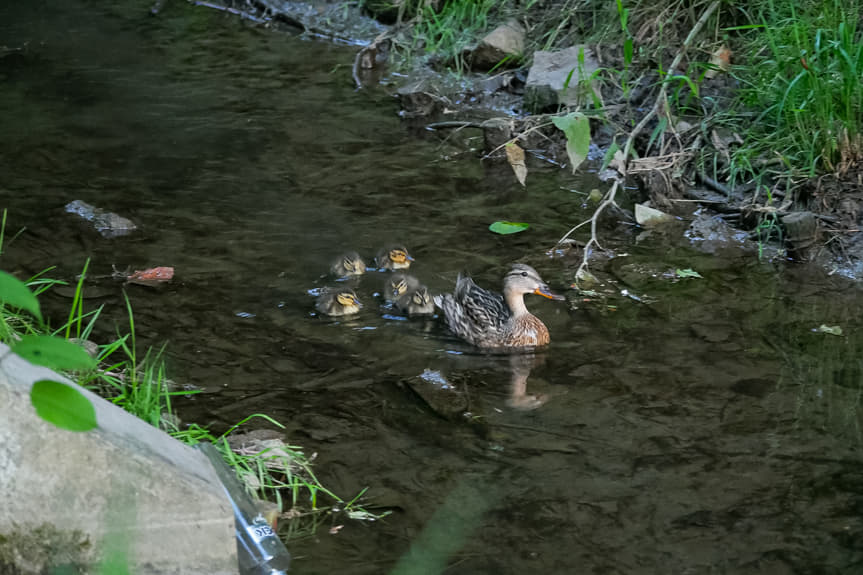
(487, 319)
(416, 301)
(349, 264)
(399, 284)
(338, 302)
(393, 258)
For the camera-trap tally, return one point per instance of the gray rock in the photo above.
(505, 40)
(547, 86)
(65, 497)
(713, 235)
(109, 224)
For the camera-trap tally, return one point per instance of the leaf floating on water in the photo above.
(576, 128)
(151, 276)
(63, 405)
(515, 157)
(15, 293)
(687, 273)
(53, 352)
(828, 329)
(505, 228)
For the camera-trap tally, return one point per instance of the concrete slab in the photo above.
(75, 499)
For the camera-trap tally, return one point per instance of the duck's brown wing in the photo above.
(473, 313)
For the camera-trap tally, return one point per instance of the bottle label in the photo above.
(260, 531)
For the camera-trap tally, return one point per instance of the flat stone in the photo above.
(547, 85)
(505, 40)
(109, 224)
(66, 496)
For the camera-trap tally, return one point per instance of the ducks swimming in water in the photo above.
(338, 302)
(393, 258)
(491, 320)
(408, 295)
(481, 317)
(349, 264)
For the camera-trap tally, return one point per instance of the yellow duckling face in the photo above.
(347, 300)
(400, 258)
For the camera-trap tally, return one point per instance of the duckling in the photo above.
(349, 264)
(417, 301)
(488, 319)
(393, 258)
(397, 284)
(338, 302)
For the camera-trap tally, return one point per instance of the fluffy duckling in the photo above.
(416, 301)
(393, 258)
(338, 302)
(349, 264)
(489, 319)
(398, 284)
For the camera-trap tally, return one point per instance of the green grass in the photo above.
(801, 78)
(450, 31)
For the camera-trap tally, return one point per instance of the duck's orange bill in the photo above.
(548, 294)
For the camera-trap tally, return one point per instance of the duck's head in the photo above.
(523, 279)
(395, 257)
(421, 298)
(350, 264)
(348, 299)
(418, 301)
(398, 284)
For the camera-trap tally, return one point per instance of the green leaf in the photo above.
(15, 293)
(504, 228)
(687, 273)
(576, 128)
(657, 131)
(53, 352)
(627, 51)
(828, 329)
(63, 405)
(609, 155)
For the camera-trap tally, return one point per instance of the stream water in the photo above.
(704, 429)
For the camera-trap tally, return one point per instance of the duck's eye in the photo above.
(346, 299)
(398, 256)
(524, 274)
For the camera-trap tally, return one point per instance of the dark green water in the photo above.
(710, 431)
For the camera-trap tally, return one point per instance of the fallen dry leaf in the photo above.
(151, 276)
(515, 157)
(720, 60)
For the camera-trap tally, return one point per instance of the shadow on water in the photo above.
(711, 431)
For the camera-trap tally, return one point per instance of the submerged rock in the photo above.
(559, 78)
(505, 40)
(713, 235)
(109, 224)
